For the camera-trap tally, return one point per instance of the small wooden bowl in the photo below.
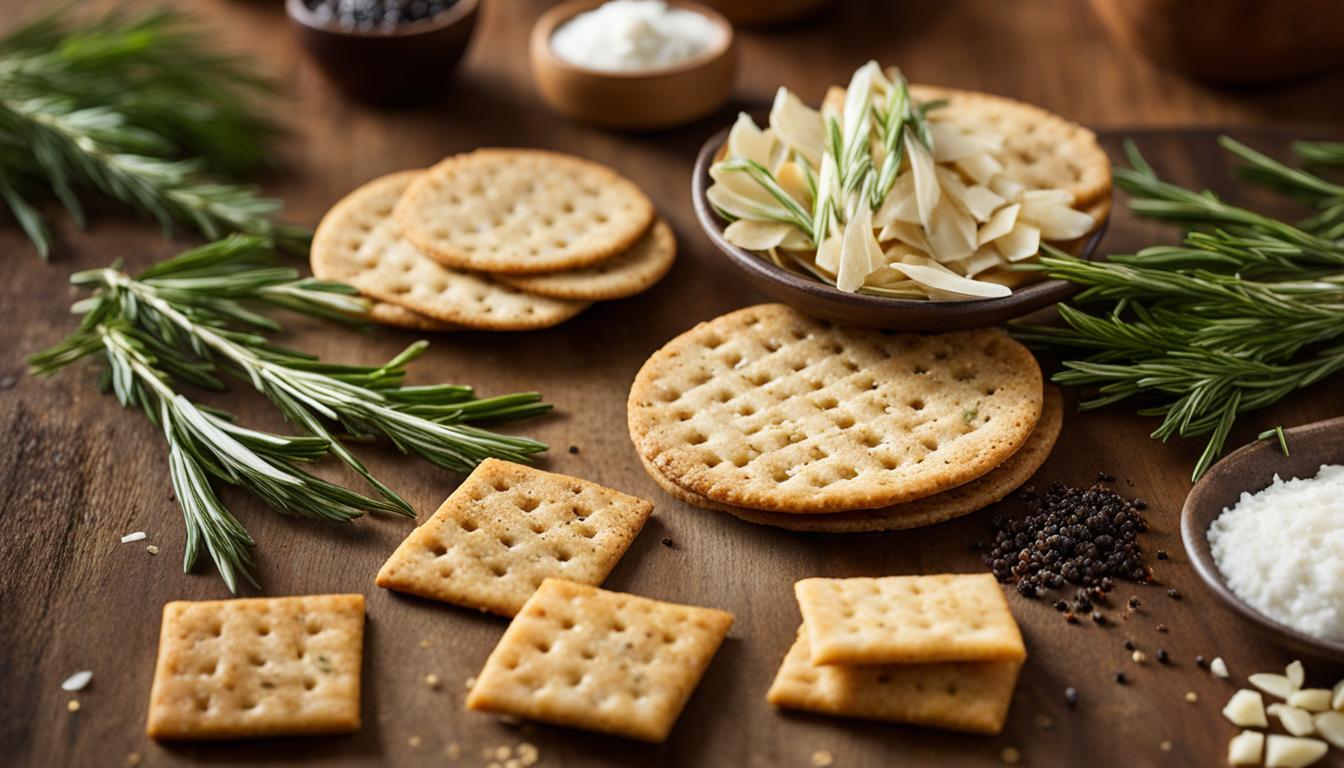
(633, 100)
(409, 63)
(1252, 468)
(858, 309)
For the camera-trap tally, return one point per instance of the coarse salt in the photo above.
(1282, 551)
(634, 36)
(137, 536)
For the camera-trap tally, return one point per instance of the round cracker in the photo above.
(632, 272)
(358, 243)
(771, 409)
(930, 510)
(1040, 149)
(522, 211)
(397, 316)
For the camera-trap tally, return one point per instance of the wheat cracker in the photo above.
(508, 527)
(522, 211)
(603, 661)
(633, 271)
(397, 316)
(971, 696)
(770, 409)
(908, 620)
(930, 510)
(258, 667)
(357, 242)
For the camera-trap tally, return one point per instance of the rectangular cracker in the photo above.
(505, 529)
(969, 696)
(603, 661)
(908, 620)
(258, 667)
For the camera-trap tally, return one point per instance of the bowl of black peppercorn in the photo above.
(385, 51)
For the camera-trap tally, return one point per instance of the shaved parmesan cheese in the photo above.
(796, 240)
(791, 177)
(860, 254)
(828, 254)
(981, 202)
(77, 681)
(951, 234)
(1337, 696)
(740, 207)
(926, 179)
(1246, 709)
(1274, 685)
(1314, 699)
(1000, 224)
(900, 204)
(1245, 748)
(1007, 188)
(1293, 719)
(757, 235)
(743, 186)
(1023, 242)
(986, 257)
(950, 285)
(1046, 197)
(1296, 674)
(1057, 222)
(909, 234)
(982, 168)
(749, 142)
(1330, 726)
(951, 143)
(136, 536)
(797, 125)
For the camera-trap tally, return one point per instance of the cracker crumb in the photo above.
(469, 683)
(822, 759)
(1165, 746)
(1010, 755)
(413, 741)
(1191, 697)
(152, 549)
(432, 680)
(527, 753)
(72, 705)
(132, 758)
(513, 762)
(453, 751)
(503, 752)
(1139, 657)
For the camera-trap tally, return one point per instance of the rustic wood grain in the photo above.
(76, 472)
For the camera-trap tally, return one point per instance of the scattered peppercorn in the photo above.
(1071, 697)
(1061, 605)
(1162, 629)
(1162, 554)
(1103, 477)
(1173, 594)
(1081, 536)
(667, 542)
(1120, 678)
(1134, 601)
(1140, 504)
(978, 545)
(1201, 662)
(1162, 655)
(573, 449)
(367, 15)
(1129, 645)
(1098, 618)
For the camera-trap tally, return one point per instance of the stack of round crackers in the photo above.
(785, 420)
(495, 239)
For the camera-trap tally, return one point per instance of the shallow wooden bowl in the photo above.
(410, 63)
(1252, 468)
(826, 301)
(633, 100)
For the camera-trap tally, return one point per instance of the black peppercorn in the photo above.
(1201, 662)
(1134, 601)
(1120, 677)
(1098, 618)
(1173, 594)
(1061, 606)
(667, 542)
(1071, 697)
(1162, 629)
(1129, 645)
(1162, 655)
(573, 449)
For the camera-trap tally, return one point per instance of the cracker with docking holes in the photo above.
(930, 510)
(969, 696)
(635, 270)
(358, 243)
(603, 661)
(258, 667)
(397, 316)
(908, 620)
(770, 409)
(522, 211)
(508, 527)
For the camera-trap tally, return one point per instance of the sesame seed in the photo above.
(432, 680)
(1192, 697)
(413, 741)
(1139, 657)
(72, 705)
(1165, 746)
(822, 759)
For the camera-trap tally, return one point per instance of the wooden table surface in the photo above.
(77, 472)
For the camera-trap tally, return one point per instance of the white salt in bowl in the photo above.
(640, 100)
(1252, 469)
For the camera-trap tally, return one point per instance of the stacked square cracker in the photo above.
(495, 239)
(786, 420)
(941, 651)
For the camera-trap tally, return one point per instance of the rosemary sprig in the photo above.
(193, 319)
(1234, 319)
(136, 108)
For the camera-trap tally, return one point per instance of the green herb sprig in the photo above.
(137, 108)
(193, 320)
(1245, 311)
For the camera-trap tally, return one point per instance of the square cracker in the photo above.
(258, 667)
(908, 620)
(603, 661)
(958, 695)
(505, 529)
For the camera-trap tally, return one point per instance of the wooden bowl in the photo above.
(857, 309)
(409, 63)
(1252, 468)
(633, 100)
(764, 13)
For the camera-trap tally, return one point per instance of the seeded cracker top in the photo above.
(770, 409)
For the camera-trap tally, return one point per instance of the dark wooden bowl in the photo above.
(407, 64)
(1252, 468)
(826, 301)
